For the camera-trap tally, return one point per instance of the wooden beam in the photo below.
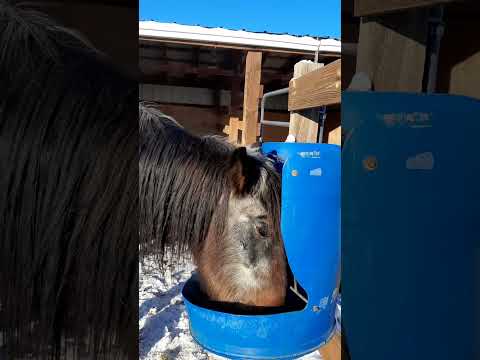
(376, 7)
(146, 39)
(232, 129)
(304, 128)
(320, 87)
(253, 73)
(152, 67)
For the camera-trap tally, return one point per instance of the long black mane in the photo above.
(185, 179)
(68, 196)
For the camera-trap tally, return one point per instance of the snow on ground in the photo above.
(163, 322)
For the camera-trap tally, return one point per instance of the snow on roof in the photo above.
(173, 31)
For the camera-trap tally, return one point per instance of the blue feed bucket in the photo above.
(310, 227)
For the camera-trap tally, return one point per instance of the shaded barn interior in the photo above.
(201, 84)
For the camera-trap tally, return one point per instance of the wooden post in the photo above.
(335, 136)
(305, 129)
(233, 130)
(253, 73)
(391, 50)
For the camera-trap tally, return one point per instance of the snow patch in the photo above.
(163, 321)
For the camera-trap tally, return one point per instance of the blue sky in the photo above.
(318, 17)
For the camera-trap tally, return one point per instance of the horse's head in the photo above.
(245, 263)
(200, 195)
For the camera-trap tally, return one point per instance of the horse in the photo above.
(68, 195)
(218, 203)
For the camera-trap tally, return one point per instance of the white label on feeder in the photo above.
(423, 161)
(309, 154)
(413, 120)
(316, 172)
(323, 303)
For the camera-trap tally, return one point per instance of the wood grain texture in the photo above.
(233, 130)
(304, 128)
(335, 136)
(253, 72)
(376, 7)
(333, 349)
(316, 88)
(391, 50)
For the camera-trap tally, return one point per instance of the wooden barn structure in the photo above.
(212, 80)
(413, 45)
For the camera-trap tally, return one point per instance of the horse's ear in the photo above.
(242, 170)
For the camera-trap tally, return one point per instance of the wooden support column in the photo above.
(233, 130)
(304, 126)
(253, 73)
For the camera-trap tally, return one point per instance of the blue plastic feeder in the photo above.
(310, 224)
(410, 233)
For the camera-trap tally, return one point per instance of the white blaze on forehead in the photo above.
(244, 209)
(243, 218)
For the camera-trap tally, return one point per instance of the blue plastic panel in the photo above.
(311, 219)
(410, 225)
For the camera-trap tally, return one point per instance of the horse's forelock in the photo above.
(185, 188)
(69, 146)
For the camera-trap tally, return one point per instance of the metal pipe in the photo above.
(296, 292)
(321, 123)
(276, 123)
(436, 31)
(262, 110)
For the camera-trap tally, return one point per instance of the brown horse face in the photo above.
(246, 264)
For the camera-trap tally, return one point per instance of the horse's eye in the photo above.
(262, 229)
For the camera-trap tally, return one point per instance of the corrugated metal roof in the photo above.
(218, 35)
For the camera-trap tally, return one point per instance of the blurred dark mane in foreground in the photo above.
(68, 196)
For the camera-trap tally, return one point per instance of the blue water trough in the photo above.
(310, 225)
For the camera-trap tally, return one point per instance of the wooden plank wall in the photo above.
(392, 50)
(392, 46)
